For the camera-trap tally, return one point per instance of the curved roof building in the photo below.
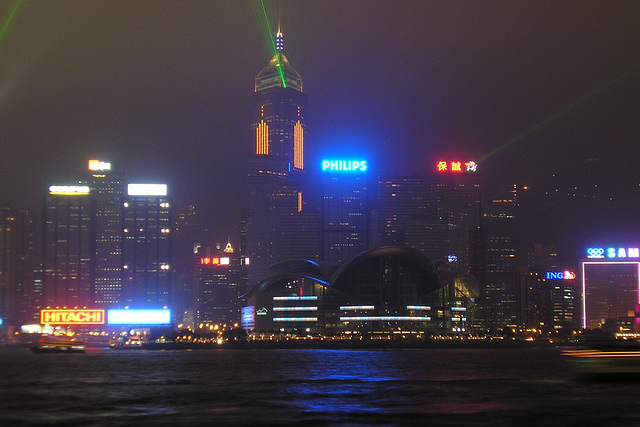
(377, 290)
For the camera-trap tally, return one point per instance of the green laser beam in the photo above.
(9, 19)
(273, 45)
(561, 111)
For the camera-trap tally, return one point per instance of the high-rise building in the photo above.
(107, 191)
(67, 247)
(279, 109)
(438, 215)
(610, 288)
(220, 276)
(400, 200)
(7, 263)
(146, 250)
(550, 295)
(18, 298)
(277, 218)
(186, 240)
(501, 292)
(345, 210)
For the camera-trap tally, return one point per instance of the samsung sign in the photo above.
(613, 253)
(344, 165)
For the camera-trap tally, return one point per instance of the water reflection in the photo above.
(443, 387)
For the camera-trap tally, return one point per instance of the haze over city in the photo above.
(168, 232)
(529, 90)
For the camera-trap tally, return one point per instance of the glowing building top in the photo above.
(279, 72)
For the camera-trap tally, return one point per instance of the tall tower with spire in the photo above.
(279, 108)
(276, 219)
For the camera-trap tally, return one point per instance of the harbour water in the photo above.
(523, 386)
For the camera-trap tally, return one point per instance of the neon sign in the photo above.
(97, 165)
(147, 189)
(561, 275)
(215, 261)
(69, 190)
(138, 317)
(611, 253)
(457, 167)
(344, 165)
(72, 317)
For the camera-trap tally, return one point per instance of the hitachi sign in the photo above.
(72, 317)
(344, 165)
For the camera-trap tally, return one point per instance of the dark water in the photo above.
(307, 387)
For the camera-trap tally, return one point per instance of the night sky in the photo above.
(163, 89)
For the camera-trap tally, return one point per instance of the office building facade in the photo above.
(146, 248)
(345, 215)
(107, 192)
(67, 247)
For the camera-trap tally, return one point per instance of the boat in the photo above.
(58, 344)
(606, 360)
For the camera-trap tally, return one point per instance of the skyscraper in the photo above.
(501, 289)
(67, 247)
(276, 216)
(146, 250)
(345, 212)
(610, 290)
(107, 191)
(220, 276)
(279, 108)
(18, 298)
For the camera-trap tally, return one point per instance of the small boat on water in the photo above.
(58, 344)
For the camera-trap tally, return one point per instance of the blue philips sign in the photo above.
(344, 165)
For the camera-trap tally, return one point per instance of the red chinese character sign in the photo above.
(456, 167)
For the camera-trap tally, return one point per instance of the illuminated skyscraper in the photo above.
(146, 249)
(107, 191)
(276, 216)
(67, 244)
(345, 214)
(610, 288)
(279, 109)
(220, 278)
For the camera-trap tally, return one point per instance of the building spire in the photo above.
(279, 41)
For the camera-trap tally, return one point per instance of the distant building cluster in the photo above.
(328, 248)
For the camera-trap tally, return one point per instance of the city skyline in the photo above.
(529, 90)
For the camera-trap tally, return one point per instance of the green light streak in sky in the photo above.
(273, 45)
(9, 19)
(560, 112)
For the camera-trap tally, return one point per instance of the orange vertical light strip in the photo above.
(262, 138)
(298, 146)
(299, 201)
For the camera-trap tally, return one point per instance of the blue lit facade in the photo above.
(345, 217)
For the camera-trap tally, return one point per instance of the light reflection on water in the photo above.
(388, 387)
